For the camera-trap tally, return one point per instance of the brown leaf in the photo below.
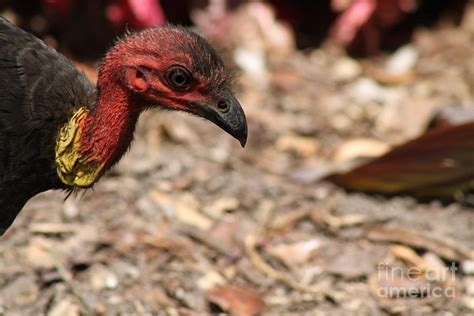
(439, 163)
(237, 300)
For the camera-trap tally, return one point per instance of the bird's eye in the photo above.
(223, 106)
(179, 78)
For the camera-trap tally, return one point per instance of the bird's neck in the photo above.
(109, 127)
(95, 139)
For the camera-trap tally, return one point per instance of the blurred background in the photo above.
(189, 223)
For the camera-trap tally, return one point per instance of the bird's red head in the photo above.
(173, 68)
(167, 67)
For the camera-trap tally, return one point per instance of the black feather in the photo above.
(39, 90)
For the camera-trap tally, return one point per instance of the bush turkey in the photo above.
(59, 131)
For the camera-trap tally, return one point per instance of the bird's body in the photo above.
(39, 91)
(59, 131)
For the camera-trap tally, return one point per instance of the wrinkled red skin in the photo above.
(108, 129)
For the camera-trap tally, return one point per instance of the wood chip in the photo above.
(184, 208)
(204, 238)
(264, 267)
(237, 300)
(444, 248)
(295, 253)
(360, 148)
(54, 228)
(409, 256)
(288, 220)
(333, 223)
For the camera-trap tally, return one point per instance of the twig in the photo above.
(288, 221)
(264, 267)
(204, 238)
(67, 278)
(443, 248)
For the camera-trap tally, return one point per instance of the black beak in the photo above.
(228, 115)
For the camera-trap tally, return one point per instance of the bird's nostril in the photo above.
(223, 106)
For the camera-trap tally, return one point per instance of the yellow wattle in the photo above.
(72, 167)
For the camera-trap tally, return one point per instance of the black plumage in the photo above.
(39, 90)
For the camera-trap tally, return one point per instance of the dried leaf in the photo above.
(238, 301)
(439, 163)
